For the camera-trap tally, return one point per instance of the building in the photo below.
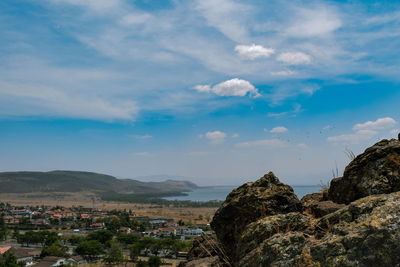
(26, 255)
(52, 262)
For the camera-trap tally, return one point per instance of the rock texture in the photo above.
(264, 224)
(248, 203)
(376, 171)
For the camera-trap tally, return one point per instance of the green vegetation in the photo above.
(45, 238)
(114, 254)
(90, 250)
(146, 199)
(3, 229)
(102, 236)
(56, 249)
(74, 181)
(154, 261)
(8, 259)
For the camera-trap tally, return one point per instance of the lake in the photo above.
(220, 192)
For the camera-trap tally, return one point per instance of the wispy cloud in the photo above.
(294, 58)
(364, 131)
(379, 124)
(142, 137)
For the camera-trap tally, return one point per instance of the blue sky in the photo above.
(221, 91)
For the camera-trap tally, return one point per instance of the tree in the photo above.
(154, 261)
(103, 236)
(8, 259)
(90, 249)
(128, 239)
(134, 252)
(56, 249)
(114, 254)
(141, 263)
(3, 228)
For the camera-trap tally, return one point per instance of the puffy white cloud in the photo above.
(215, 137)
(357, 137)
(294, 58)
(379, 124)
(235, 135)
(264, 143)
(233, 87)
(279, 129)
(253, 51)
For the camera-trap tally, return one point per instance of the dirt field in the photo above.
(189, 215)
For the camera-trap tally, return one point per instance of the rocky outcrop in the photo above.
(206, 251)
(323, 208)
(203, 262)
(248, 203)
(376, 171)
(264, 224)
(364, 233)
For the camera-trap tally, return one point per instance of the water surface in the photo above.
(220, 192)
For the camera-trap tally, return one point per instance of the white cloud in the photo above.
(253, 51)
(215, 137)
(233, 87)
(294, 58)
(296, 109)
(314, 22)
(357, 137)
(48, 101)
(279, 129)
(283, 73)
(379, 124)
(264, 143)
(142, 137)
(227, 16)
(364, 131)
(202, 88)
(94, 5)
(235, 135)
(395, 132)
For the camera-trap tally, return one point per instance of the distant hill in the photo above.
(75, 181)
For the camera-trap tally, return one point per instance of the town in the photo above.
(57, 236)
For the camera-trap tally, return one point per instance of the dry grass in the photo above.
(189, 215)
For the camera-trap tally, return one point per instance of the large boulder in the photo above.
(376, 171)
(364, 233)
(258, 232)
(248, 203)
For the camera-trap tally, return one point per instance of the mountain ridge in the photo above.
(75, 181)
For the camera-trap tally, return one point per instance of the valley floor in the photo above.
(198, 215)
